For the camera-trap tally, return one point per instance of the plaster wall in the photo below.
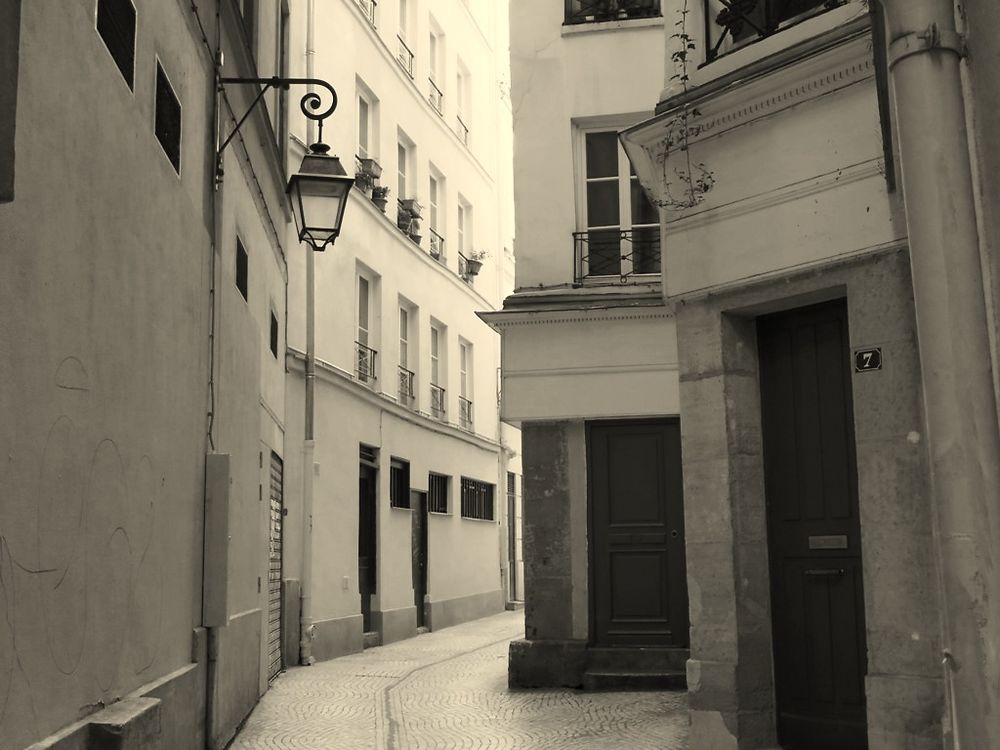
(561, 74)
(591, 364)
(103, 430)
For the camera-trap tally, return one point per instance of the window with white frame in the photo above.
(437, 390)
(364, 126)
(365, 352)
(402, 159)
(406, 375)
(463, 224)
(435, 53)
(462, 93)
(434, 223)
(465, 385)
(620, 232)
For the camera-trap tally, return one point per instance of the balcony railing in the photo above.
(730, 24)
(461, 130)
(365, 363)
(368, 8)
(594, 11)
(436, 97)
(616, 252)
(438, 406)
(405, 57)
(463, 267)
(406, 392)
(436, 246)
(464, 413)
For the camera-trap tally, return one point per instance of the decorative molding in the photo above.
(510, 318)
(627, 369)
(574, 29)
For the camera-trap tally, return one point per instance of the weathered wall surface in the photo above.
(103, 360)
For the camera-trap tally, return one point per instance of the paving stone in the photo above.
(447, 690)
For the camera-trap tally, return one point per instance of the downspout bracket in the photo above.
(933, 38)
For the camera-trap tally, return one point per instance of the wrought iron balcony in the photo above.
(436, 97)
(594, 11)
(368, 8)
(463, 268)
(735, 23)
(616, 252)
(438, 404)
(461, 130)
(406, 392)
(436, 246)
(405, 57)
(365, 363)
(465, 413)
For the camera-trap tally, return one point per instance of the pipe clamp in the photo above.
(933, 38)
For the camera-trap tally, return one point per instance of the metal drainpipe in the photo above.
(925, 54)
(306, 628)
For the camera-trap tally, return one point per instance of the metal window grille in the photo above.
(404, 57)
(436, 97)
(477, 499)
(406, 393)
(368, 455)
(511, 484)
(594, 11)
(730, 24)
(368, 8)
(465, 413)
(436, 246)
(365, 363)
(438, 410)
(461, 130)
(437, 493)
(399, 483)
(601, 252)
(116, 25)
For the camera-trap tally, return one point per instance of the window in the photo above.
(477, 499)
(622, 231)
(732, 25)
(365, 354)
(511, 485)
(10, 46)
(435, 354)
(592, 11)
(402, 157)
(438, 405)
(434, 54)
(404, 55)
(399, 483)
(437, 495)
(364, 126)
(465, 385)
(406, 376)
(167, 124)
(274, 334)
(242, 270)
(462, 89)
(116, 25)
(434, 191)
(463, 220)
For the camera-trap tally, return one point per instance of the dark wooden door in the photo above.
(418, 545)
(366, 542)
(814, 536)
(638, 583)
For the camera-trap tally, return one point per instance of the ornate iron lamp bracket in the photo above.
(309, 104)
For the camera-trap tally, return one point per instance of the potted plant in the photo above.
(412, 206)
(474, 262)
(380, 197)
(414, 230)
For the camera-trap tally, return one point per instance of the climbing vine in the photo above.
(684, 185)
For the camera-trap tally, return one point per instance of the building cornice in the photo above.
(568, 313)
(330, 373)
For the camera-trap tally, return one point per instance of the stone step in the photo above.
(617, 680)
(637, 659)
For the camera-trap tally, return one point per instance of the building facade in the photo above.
(144, 291)
(589, 357)
(828, 274)
(410, 463)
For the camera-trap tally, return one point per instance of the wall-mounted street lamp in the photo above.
(318, 194)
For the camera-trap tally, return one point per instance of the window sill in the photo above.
(480, 520)
(570, 29)
(440, 513)
(400, 507)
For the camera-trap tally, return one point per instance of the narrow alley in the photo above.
(448, 689)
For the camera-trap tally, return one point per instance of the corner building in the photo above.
(412, 466)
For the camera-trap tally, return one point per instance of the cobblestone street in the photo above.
(448, 689)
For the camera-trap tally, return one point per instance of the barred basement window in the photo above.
(477, 499)
(168, 119)
(242, 270)
(399, 483)
(116, 25)
(274, 335)
(437, 496)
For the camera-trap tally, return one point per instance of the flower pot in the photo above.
(371, 168)
(412, 206)
(472, 267)
(380, 202)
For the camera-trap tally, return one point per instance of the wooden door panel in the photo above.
(638, 584)
(814, 536)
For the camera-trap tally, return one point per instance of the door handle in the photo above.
(825, 572)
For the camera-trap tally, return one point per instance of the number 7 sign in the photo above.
(866, 360)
